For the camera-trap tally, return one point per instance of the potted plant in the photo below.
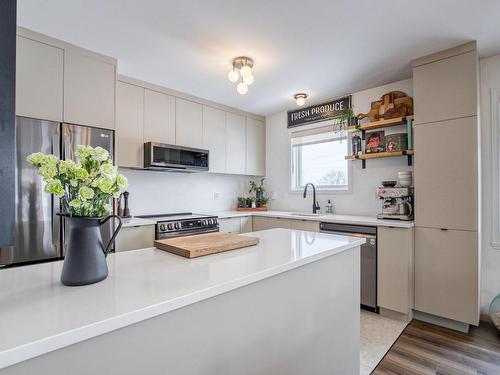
(263, 201)
(253, 200)
(258, 188)
(242, 202)
(85, 188)
(345, 119)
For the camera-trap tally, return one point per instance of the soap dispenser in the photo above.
(329, 208)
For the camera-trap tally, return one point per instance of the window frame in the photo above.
(320, 189)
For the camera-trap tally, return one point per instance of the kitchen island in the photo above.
(287, 305)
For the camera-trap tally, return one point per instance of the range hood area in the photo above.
(173, 158)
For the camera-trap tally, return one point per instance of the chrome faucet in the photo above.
(315, 202)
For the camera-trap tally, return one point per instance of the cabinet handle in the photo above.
(444, 229)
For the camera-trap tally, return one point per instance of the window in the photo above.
(318, 156)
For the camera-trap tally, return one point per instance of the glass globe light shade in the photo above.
(248, 80)
(245, 71)
(300, 101)
(233, 75)
(242, 88)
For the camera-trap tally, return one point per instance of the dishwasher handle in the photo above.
(359, 235)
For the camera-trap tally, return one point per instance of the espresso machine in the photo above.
(397, 203)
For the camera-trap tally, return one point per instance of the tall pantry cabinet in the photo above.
(446, 184)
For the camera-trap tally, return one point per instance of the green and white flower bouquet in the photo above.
(85, 186)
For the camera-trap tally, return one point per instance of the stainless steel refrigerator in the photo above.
(39, 231)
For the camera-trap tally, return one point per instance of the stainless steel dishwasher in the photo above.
(368, 259)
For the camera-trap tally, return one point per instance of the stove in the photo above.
(183, 224)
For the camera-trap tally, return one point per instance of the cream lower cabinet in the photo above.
(129, 125)
(246, 224)
(446, 274)
(39, 80)
(132, 238)
(230, 225)
(235, 224)
(263, 223)
(308, 225)
(395, 269)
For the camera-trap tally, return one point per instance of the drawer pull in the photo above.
(444, 229)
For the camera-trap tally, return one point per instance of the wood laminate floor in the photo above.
(425, 348)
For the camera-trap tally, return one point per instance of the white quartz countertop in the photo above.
(340, 219)
(38, 314)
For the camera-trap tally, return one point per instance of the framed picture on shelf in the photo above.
(375, 142)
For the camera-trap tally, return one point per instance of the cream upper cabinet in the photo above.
(446, 274)
(235, 144)
(214, 138)
(188, 123)
(129, 125)
(446, 174)
(395, 269)
(256, 147)
(159, 117)
(89, 90)
(39, 80)
(446, 89)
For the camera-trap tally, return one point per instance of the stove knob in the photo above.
(204, 222)
(170, 227)
(215, 222)
(162, 227)
(177, 225)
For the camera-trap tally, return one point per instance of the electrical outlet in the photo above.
(216, 195)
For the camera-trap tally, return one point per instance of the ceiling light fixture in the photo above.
(242, 67)
(233, 75)
(300, 99)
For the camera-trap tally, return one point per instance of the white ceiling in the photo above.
(326, 48)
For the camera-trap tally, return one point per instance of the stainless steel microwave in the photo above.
(162, 156)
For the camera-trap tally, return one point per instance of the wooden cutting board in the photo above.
(205, 244)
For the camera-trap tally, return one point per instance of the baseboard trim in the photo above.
(407, 318)
(443, 322)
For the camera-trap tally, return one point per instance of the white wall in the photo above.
(490, 259)
(153, 192)
(361, 199)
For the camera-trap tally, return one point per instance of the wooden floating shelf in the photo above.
(380, 124)
(377, 155)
